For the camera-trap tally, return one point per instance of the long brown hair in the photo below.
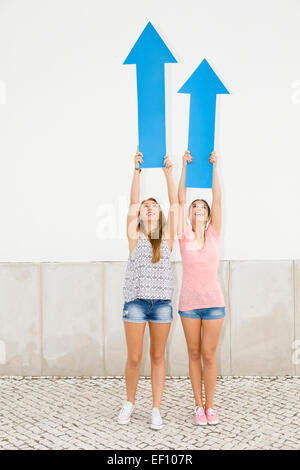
(156, 235)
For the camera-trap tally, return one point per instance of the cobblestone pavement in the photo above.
(80, 413)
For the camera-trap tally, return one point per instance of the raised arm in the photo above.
(216, 208)
(133, 209)
(172, 220)
(182, 214)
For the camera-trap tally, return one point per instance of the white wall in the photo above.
(68, 121)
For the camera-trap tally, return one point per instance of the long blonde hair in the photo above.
(156, 241)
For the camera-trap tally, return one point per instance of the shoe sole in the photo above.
(200, 424)
(124, 422)
(213, 422)
(156, 427)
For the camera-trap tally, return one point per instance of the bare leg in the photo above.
(210, 337)
(134, 338)
(192, 332)
(158, 339)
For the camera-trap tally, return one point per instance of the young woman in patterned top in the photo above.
(148, 288)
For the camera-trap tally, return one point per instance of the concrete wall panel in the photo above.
(115, 352)
(224, 346)
(176, 354)
(262, 327)
(72, 308)
(20, 335)
(296, 347)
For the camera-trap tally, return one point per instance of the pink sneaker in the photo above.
(199, 416)
(211, 415)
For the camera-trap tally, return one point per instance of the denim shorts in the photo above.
(210, 313)
(153, 310)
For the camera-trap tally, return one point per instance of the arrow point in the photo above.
(149, 48)
(203, 80)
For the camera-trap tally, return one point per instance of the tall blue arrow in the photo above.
(203, 86)
(150, 53)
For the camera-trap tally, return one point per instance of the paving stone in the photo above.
(80, 413)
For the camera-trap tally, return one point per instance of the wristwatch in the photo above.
(139, 169)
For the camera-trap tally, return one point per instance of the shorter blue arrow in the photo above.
(203, 86)
(150, 54)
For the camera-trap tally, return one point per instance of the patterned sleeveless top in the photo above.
(147, 280)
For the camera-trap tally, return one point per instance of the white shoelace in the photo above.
(156, 415)
(125, 409)
(199, 411)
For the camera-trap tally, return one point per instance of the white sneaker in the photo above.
(156, 421)
(126, 412)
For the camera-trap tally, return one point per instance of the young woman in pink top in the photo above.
(201, 302)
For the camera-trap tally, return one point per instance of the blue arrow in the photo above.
(150, 53)
(203, 86)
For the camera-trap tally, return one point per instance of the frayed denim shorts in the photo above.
(153, 310)
(210, 313)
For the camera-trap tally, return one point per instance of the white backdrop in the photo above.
(68, 122)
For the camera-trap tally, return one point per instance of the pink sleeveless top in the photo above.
(200, 284)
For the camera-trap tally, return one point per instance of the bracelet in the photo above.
(139, 169)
